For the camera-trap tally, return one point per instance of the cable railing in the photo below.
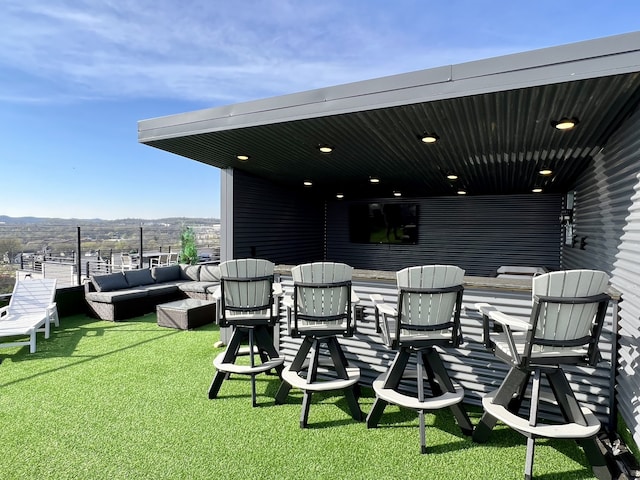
(72, 257)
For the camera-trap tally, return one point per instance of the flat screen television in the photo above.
(385, 223)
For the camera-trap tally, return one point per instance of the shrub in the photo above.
(189, 252)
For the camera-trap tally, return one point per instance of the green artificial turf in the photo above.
(129, 401)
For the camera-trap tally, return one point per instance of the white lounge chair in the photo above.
(563, 329)
(126, 262)
(320, 311)
(427, 318)
(160, 261)
(247, 302)
(173, 258)
(30, 310)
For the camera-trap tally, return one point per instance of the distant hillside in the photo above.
(4, 219)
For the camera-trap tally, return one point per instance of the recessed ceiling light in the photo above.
(462, 192)
(374, 180)
(325, 149)
(536, 190)
(242, 158)
(545, 171)
(397, 194)
(339, 195)
(565, 123)
(452, 176)
(308, 183)
(429, 138)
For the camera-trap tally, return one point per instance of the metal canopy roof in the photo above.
(493, 118)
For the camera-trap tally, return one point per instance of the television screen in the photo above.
(384, 223)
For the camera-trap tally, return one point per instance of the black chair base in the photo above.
(303, 374)
(260, 343)
(504, 405)
(445, 393)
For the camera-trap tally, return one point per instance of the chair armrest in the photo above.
(386, 310)
(508, 322)
(217, 292)
(287, 302)
(380, 305)
(502, 318)
(354, 297)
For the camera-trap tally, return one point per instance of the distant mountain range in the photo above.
(4, 219)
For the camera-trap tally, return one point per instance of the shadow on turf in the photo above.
(64, 341)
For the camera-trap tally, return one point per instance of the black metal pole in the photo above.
(79, 258)
(140, 260)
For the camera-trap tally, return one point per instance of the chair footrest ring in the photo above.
(410, 401)
(245, 369)
(556, 430)
(321, 385)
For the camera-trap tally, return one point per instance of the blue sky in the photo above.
(77, 75)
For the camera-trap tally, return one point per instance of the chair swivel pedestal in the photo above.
(261, 343)
(505, 403)
(444, 392)
(303, 374)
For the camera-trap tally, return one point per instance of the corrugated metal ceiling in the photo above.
(496, 142)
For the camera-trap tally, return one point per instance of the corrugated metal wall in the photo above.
(607, 213)
(275, 224)
(475, 369)
(626, 277)
(607, 209)
(477, 233)
(602, 200)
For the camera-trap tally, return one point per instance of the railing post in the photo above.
(79, 258)
(141, 252)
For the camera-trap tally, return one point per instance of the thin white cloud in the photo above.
(226, 51)
(217, 52)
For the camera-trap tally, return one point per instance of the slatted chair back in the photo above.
(322, 299)
(247, 292)
(567, 316)
(173, 258)
(429, 304)
(32, 296)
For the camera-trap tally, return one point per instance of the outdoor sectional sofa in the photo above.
(119, 296)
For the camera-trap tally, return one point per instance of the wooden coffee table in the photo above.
(186, 314)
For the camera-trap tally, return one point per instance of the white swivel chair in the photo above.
(566, 320)
(319, 312)
(160, 261)
(426, 319)
(246, 302)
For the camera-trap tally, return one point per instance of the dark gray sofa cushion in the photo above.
(166, 274)
(136, 278)
(210, 273)
(161, 288)
(115, 296)
(108, 283)
(189, 272)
